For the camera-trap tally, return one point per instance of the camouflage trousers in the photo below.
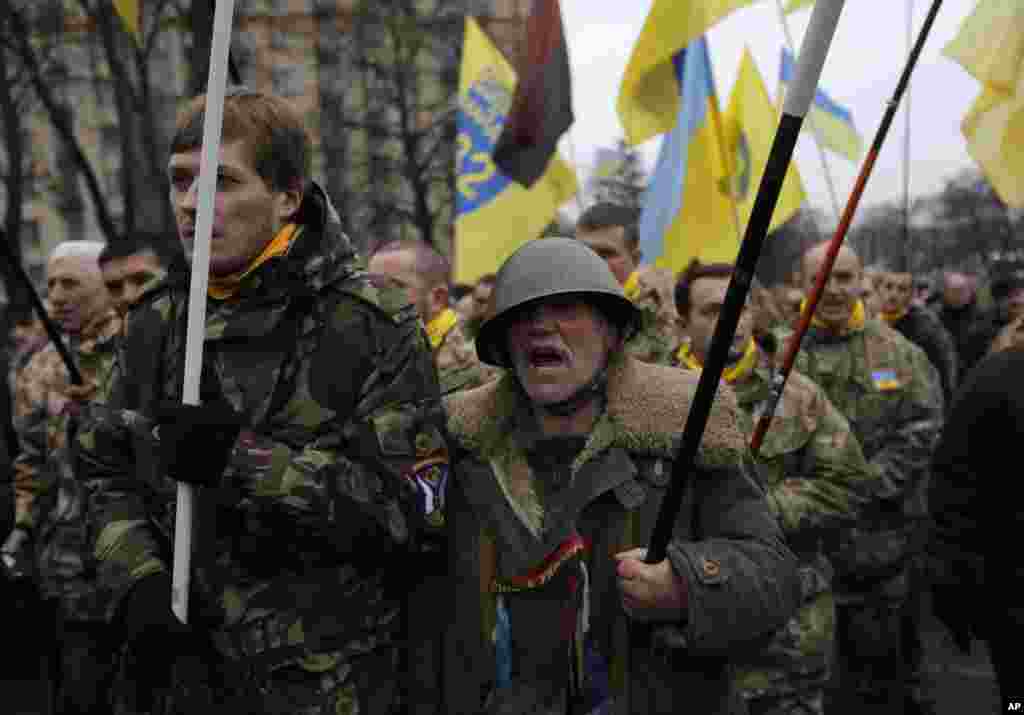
(323, 685)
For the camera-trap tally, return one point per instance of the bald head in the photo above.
(74, 284)
(842, 290)
(421, 270)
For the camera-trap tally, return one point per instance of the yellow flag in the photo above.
(751, 121)
(129, 12)
(494, 215)
(994, 129)
(990, 44)
(648, 101)
(794, 5)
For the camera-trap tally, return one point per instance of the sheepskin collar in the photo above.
(645, 414)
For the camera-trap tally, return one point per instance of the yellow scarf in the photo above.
(631, 287)
(223, 287)
(440, 325)
(731, 374)
(891, 318)
(853, 325)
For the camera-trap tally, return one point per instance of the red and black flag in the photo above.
(541, 110)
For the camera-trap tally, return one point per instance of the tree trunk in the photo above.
(14, 149)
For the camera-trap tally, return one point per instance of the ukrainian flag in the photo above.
(685, 212)
(833, 123)
(493, 214)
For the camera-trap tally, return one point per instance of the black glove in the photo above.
(196, 440)
(952, 611)
(161, 649)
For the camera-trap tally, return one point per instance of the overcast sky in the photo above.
(863, 67)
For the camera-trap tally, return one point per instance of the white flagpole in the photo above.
(216, 86)
(815, 132)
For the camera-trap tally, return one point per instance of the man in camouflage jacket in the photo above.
(613, 233)
(890, 393)
(815, 474)
(317, 449)
(423, 273)
(51, 505)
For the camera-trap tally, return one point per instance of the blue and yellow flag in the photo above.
(833, 123)
(648, 102)
(494, 215)
(686, 213)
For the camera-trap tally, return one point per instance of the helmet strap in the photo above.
(595, 388)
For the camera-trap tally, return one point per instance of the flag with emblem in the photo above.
(750, 124)
(493, 214)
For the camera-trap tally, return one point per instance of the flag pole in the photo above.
(812, 57)
(37, 304)
(793, 344)
(196, 327)
(815, 131)
(904, 265)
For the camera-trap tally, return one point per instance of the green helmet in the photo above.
(548, 267)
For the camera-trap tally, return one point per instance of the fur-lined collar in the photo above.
(647, 409)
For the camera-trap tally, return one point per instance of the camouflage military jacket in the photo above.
(299, 553)
(889, 392)
(458, 367)
(49, 500)
(816, 477)
(543, 534)
(924, 329)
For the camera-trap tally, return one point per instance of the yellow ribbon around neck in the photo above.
(731, 374)
(891, 318)
(440, 325)
(631, 288)
(854, 323)
(223, 287)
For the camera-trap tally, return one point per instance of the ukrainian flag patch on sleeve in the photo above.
(885, 379)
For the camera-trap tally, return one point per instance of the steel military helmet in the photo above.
(548, 267)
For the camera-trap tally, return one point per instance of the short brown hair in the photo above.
(690, 275)
(271, 128)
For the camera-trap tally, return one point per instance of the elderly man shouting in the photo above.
(560, 468)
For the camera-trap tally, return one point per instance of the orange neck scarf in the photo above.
(224, 287)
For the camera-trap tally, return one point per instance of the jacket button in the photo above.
(711, 568)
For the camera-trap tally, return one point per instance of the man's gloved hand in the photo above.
(15, 553)
(952, 611)
(196, 440)
(162, 649)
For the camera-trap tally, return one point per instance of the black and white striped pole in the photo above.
(813, 51)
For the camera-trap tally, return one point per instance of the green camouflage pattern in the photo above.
(339, 469)
(458, 367)
(815, 476)
(889, 392)
(50, 501)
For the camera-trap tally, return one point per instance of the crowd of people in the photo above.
(413, 497)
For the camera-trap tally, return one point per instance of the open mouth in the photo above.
(546, 357)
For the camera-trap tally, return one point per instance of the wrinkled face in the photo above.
(247, 212)
(706, 298)
(611, 245)
(843, 289)
(482, 299)
(895, 291)
(400, 267)
(125, 277)
(75, 292)
(556, 346)
(26, 332)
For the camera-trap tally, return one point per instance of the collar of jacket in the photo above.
(892, 318)
(323, 255)
(646, 412)
(98, 331)
(854, 324)
(439, 327)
